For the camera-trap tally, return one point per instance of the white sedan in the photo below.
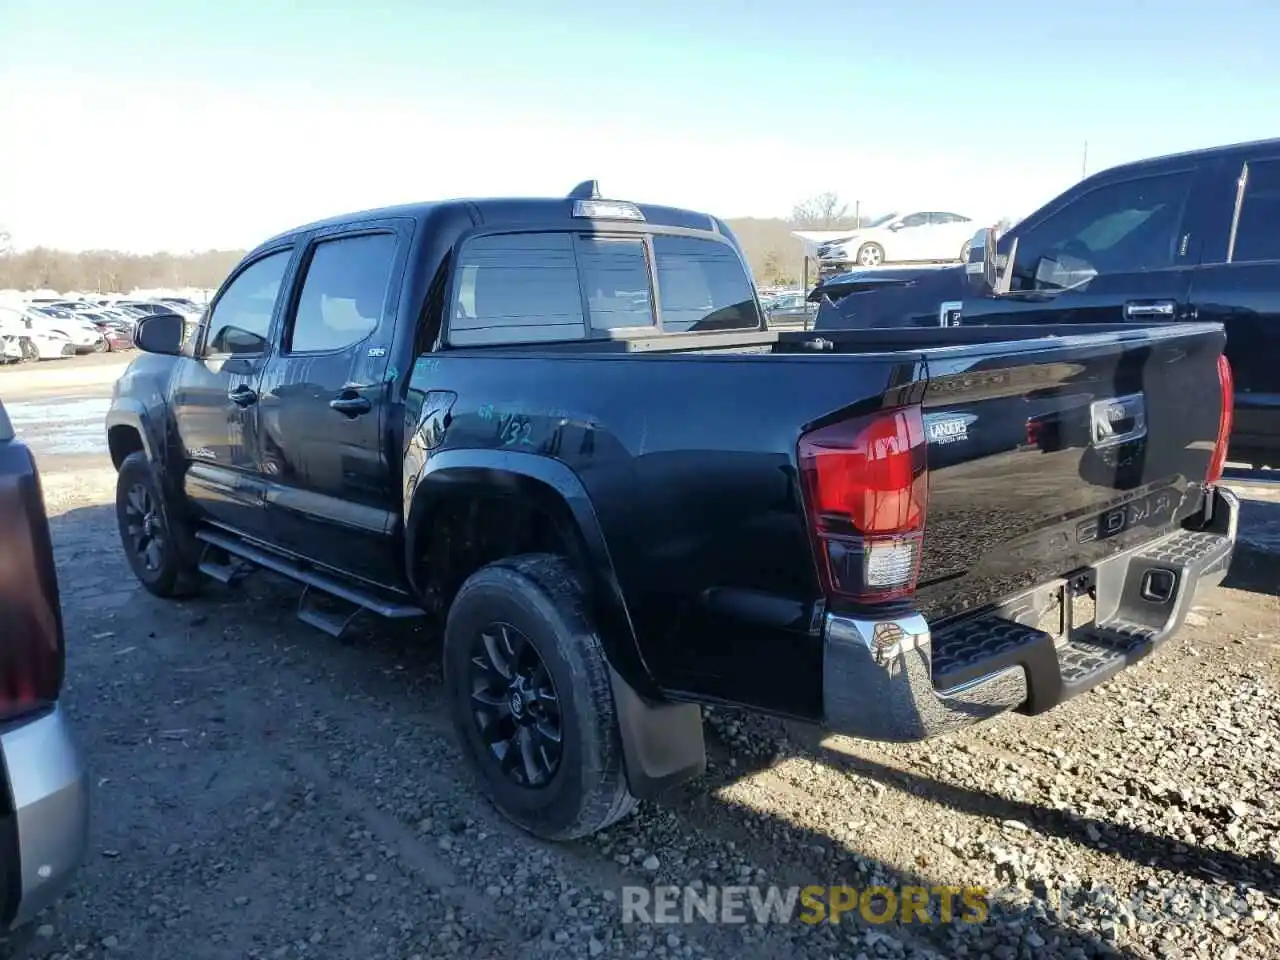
(903, 238)
(23, 341)
(84, 336)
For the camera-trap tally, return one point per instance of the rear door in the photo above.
(331, 487)
(215, 395)
(1238, 285)
(1119, 251)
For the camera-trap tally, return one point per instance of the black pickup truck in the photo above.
(562, 427)
(1190, 237)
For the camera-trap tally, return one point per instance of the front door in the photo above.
(332, 478)
(216, 396)
(1119, 252)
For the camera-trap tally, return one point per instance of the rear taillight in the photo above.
(865, 486)
(31, 646)
(1226, 414)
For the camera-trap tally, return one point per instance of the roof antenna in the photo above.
(586, 190)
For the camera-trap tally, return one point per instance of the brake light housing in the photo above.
(31, 635)
(865, 489)
(1226, 418)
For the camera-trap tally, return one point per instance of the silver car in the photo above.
(44, 791)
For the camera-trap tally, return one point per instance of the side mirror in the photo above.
(980, 268)
(161, 333)
(895, 226)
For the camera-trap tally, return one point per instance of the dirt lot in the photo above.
(263, 791)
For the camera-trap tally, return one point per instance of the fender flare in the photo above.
(662, 741)
(554, 485)
(130, 413)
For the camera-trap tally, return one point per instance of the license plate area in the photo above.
(1070, 610)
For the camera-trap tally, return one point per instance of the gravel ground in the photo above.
(264, 791)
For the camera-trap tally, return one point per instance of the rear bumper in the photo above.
(896, 680)
(48, 826)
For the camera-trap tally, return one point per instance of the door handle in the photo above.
(243, 396)
(1162, 309)
(351, 405)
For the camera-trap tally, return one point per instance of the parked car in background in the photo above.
(84, 336)
(32, 342)
(789, 310)
(44, 819)
(901, 238)
(118, 333)
(560, 428)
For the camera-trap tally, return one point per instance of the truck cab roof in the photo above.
(540, 211)
(1198, 155)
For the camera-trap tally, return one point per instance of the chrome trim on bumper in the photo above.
(878, 683)
(878, 674)
(51, 808)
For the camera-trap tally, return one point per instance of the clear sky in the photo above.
(180, 124)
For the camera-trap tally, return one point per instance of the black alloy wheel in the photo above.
(514, 705)
(145, 526)
(157, 550)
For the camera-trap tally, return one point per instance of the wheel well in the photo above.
(474, 526)
(122, 441)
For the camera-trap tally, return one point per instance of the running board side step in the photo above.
(222, 566)
(310, 578)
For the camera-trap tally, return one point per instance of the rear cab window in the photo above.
(534, 287)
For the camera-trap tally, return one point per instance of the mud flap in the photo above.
(662, 743)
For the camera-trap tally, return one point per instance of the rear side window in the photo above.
(702, 285)
(1257, 234)
(344, 293)
(514, 288)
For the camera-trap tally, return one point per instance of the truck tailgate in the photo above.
(1047, 456)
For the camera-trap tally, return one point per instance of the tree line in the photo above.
(109, 271)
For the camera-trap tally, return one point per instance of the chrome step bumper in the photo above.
(894, 680)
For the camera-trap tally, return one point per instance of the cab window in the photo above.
(1127, 226)
(241, 318)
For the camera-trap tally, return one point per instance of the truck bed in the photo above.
(687, 451)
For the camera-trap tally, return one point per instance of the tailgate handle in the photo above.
(1117, 420)
(1150, 308)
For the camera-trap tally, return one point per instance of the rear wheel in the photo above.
(530, 696)
(870, 255)
(148, 531)
(101, 346)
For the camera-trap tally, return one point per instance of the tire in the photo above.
(964, 253)
(535, 602)
(101, 346)
(870, 255)
(154, 556)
